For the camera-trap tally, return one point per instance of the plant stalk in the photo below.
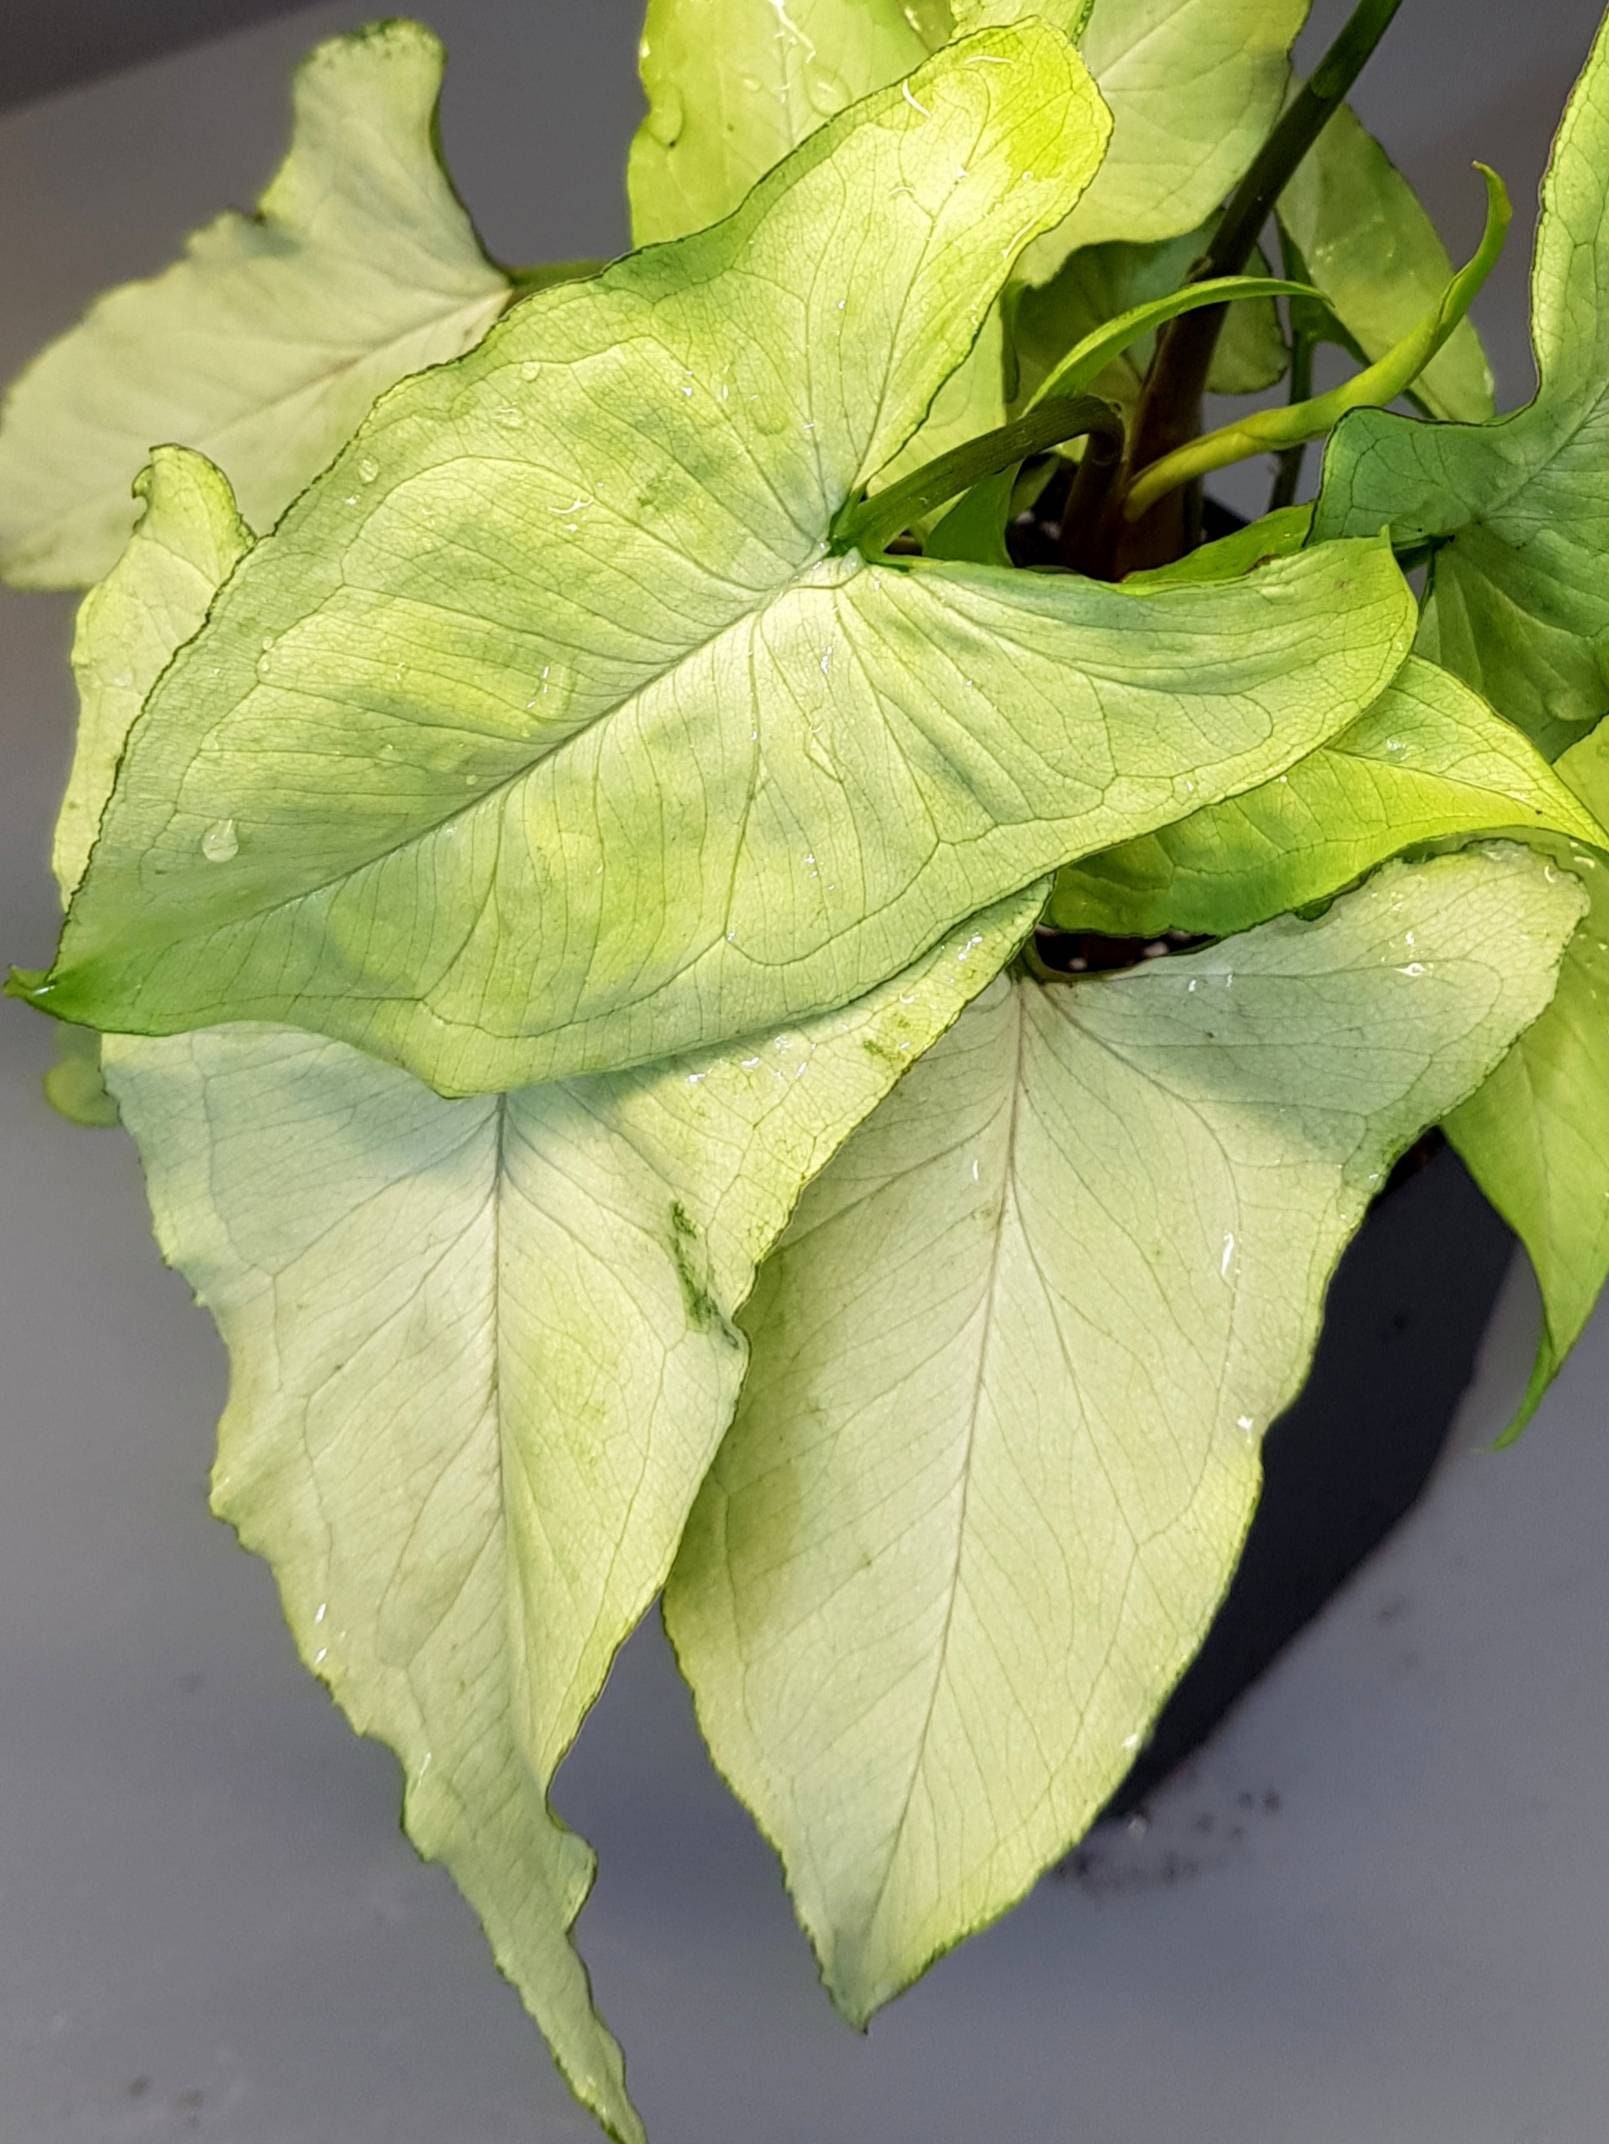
(1170, 402)
(1288, 468)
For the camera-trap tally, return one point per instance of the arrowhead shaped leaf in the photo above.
(549, 736)
(1428, 762)
(482, 1355)
(1365, 241)
(482, 1350)
(1536, 1135)
(1520, 606)
(998, 1446)
(266, 344)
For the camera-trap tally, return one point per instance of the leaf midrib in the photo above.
(989, 1293)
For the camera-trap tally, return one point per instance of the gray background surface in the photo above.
(209, 1925)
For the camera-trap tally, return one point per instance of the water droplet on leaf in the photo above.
(220, 844)
(666, 117)
(827, 92)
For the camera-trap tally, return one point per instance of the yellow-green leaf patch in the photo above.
(268, 341)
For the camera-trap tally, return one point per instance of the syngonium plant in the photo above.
(592, 784)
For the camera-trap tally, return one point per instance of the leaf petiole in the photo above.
(870, 524)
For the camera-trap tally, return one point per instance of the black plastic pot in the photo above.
(1402, 1328)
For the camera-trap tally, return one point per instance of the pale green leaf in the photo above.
(1428, 762)
(1369, 246)
(1193, 87)
(482, 1350)
(268, 341)
(482, 1355)
(734, 86)
(1277, 535)
(1071, 17)
(1536, 1135)
(74, 1086)
(1520, 599)
(999, 1443)
(187, 542)
(547, 734)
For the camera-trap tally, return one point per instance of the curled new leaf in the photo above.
(1390, 375)
(1364, 239)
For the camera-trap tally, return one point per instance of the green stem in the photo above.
(1170, 402)
(869, 525)
(1288, 472)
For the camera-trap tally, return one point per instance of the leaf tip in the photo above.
(33, 986)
